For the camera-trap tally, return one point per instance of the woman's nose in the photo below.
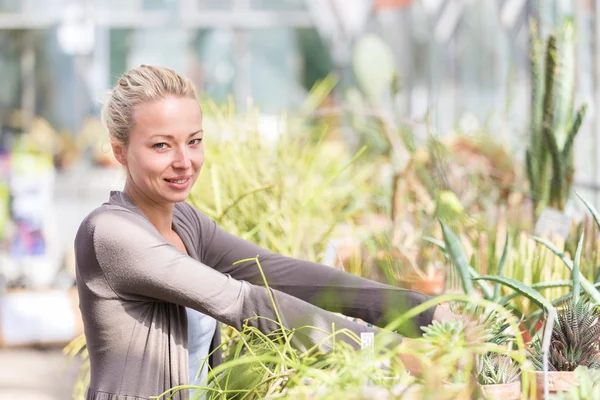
(182, 159)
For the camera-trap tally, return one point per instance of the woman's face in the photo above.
(165, 151)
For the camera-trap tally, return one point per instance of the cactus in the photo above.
(554, 124)
(374, 68)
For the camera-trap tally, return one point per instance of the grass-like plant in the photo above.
(264, 365)
(287, 194)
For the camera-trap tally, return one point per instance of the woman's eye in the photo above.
(159, 145)
(194, 142)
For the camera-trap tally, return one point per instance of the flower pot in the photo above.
(504, 391)
(455, 391)
(558, 381)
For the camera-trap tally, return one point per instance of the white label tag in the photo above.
(367, 341)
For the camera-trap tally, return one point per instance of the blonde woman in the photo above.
(146, 259)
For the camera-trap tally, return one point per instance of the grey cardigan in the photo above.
(134, 287)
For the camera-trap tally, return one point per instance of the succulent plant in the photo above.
(574, 341)
(496, 369)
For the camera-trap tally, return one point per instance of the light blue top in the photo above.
(201, 329)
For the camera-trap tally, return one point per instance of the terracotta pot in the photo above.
(456, 391)
(558, 381)
(505, 391)
(527, 338)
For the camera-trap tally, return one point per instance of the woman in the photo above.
(146, 256)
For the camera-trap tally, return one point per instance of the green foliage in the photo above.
(457, 255)
(490, 367)
(287, 194)
(554, 122)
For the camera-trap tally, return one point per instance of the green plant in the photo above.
(452, 334)
(574, 339)
(492, 369)
(554, 123)
(575, 334)
(264, 366)
(374, 67)
(287, 194)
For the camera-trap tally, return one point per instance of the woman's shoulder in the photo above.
(108, 220)
(190, 214)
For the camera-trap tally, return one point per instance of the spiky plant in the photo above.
(493, 368)
(496, 369)
(454, 334)
(574, 341)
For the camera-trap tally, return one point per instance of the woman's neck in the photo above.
(160, 215)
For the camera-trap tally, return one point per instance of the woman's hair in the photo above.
(140, 85)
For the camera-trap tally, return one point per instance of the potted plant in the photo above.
(573, 343)
(498, 376)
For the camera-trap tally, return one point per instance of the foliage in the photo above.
(554, 123)
(286, 194)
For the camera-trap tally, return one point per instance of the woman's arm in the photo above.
(323, 286)
(140, 265)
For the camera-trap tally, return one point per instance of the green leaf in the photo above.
(551, 285)
(587, 286)
(575, 271)
(521, 288)
(538, 286)
(457, 254)
(500, 268)
(485, 288)
(591, 209)
(438, 243)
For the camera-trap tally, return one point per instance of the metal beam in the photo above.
(208, 19)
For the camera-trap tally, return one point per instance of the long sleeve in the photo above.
(323, 286)
(139, 264)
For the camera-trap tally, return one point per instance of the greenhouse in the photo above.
(299, 199)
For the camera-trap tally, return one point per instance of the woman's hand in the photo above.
(412, 362)
(443, 313)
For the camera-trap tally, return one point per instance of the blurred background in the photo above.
(433, 67)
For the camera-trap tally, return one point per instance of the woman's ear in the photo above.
(119, 151)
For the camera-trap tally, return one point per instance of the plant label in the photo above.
(367, 341)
